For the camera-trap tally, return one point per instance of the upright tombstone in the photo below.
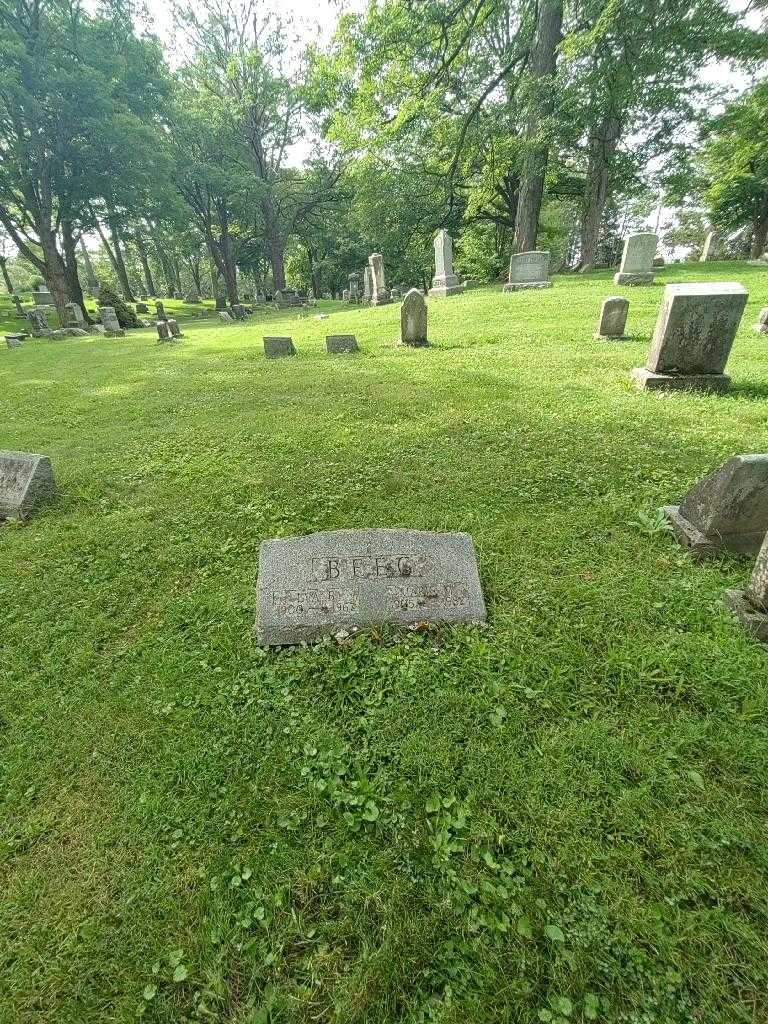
(354, 288)
(367, 285)
(42, 296)
(413, 320)
(38, 323)
(694, 334)
(173, 327)
(379, 293)
(751, 605)
(341, 344)
(726, 511)
(613, 317)
(26, 483)
(112, 328)
(345, 295)
(160, 309)
(163, 330)
(275, 347)
(142, 307)
(340, 581)
(528, 270)
(709, 252)
(75, 317)
(637, 259)
(445, 282)
(762, 322)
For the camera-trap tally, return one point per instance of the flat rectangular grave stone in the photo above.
(26, 483)
(276, 346)
(341, 344)
(345, 580)
(528, 270)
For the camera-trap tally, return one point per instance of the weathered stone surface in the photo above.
(15, 340)
(238, 311)
(19, 308)
(26, 483)
(75, 316)
(163, 330)
(613, 317)
(751, 605)
(710, 250)
(367, 285)
(173, 326)
(160, 310)
(726, 511)
(354, 288)
(142, 307)
(379, 294)
(38, 323)
(345, 295)
(224, 316)
(112, 328)
(445, 282)
(276, 346)
(762, 322)
(345, 580)
(637, 259)
(341, 344)
(694, 334)
(42, 297)
(68, 332)
(528, 270)
(413, 320)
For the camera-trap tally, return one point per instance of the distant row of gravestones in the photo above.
(337, 582)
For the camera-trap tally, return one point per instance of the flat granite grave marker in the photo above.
(341, 344)
(726, 510)
(751, 605)
(445, 282)
(637, 259)
(413, 320)
(528, 270)
(276, 346)
(342, 580)
(26, 483)
(613, 317)
(694, 334)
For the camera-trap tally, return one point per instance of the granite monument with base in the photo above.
(445, 282)
(338, 582)
(528, 270)
(637, 259)
(26, 484)
(693, 337)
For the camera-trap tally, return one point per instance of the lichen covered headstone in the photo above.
(413, 320)
(613, 317)
(26, 484)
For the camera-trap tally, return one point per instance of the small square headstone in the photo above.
(26, 484)
(275, 347)
(341, 344)
(528, 270)
(613, 317)
(637, 259)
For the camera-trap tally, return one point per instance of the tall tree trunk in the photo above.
(55, 273)
(6, 275)
(602, 147)
(536, 153)
(227, 265)
(177, 275)
(275, 242)
(122, 273)
(141, 248)
(760, 229)
(165, 263)
(69, 245)
(90, 276)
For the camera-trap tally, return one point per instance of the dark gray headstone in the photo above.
(413, 320)
(26, 483)
(341, 344)
(277, 346)
(173, 326)
(343, 580)
(15, 340)
(160, 308)
(613, 317)
(163, 330)
(142, 307)
(727, 510)
(751, 605)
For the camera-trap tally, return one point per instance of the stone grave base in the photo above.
(444, 286)
(716, 383)
(699, 544)
(519, 286)
(633, 279)
(752, 618)
(609, 337)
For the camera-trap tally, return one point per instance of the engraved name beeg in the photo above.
(369, 567)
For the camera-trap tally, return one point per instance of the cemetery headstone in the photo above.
(528, 270)
(413, 320)
(637, 259)
(112, 328)
(42, 297)
(354, 288)
(726, 511)
(762, 322)
(340, 581)
(694, 334)
(709, 252)
(173, 326)
(15, 340)
(224, 315)
(613, 317)
(275, 347)
(345, 295)
(445, 282)
(26, 484)
(160, 311)
(142, 307)
(379, 293)
(75, 316)
(367, 285)
(163, 330)
(341, 344)
(751, 605)
(38, 323)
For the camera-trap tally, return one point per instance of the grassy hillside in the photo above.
(560, 817)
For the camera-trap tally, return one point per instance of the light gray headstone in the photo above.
(413, 320)
(341, 344)
(174, 328)
(726, 510)
(344, 580)
(379, 294)
(445, 282)
(26, 483)
(709, 252)
(163, 330)
(42, 296)
(694, 334)
(637, 259)
(613, 317)
(345, 295)
(367, 286)
(528, 270)
(112, 328)
(276, 346)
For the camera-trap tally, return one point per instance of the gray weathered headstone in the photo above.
(528, 270)
(613, 317)
(42, 297)
(367, 286)
(112, 328)
(26, 483)
(379, 293)
(709, 252)
(762, 322)
(75, 316)
(726, 511)
(445, 282)
(343, 580)
(345, 295)
(637, 259)
(413, 320)
(277, 346)
(173, 326)
(694, 334)
(38, 323)
(160, 310)
(142, 307)
(341, 344)
(354, 288)
(751, 604)
(15, 340)
(238, 311)
(163, 330)
(224, 316)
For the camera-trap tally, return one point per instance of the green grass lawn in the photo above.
(560, 817)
